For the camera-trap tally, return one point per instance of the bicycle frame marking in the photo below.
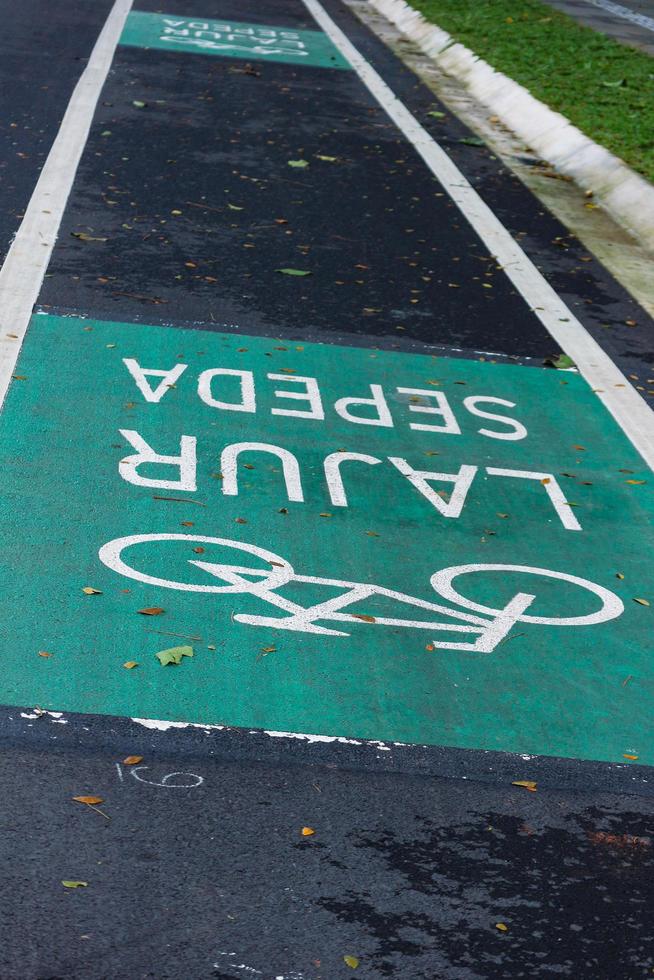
(490, 625)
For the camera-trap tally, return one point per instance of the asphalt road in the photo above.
(352, 796)
(631, 22)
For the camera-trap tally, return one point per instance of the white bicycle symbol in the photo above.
(490, 625)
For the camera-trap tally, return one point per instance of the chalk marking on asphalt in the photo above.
(642, 20)
(632, 414)
(26, 262)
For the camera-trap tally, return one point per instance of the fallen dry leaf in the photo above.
(501, 926)
(88, 590)
(74, 884)
(307, 831)
(42, 653)
(89, 800)
(132, 760)
(642, 602)
(151, 611)
(351, 961)
(527, 784)
(130, 664)
(364, 617)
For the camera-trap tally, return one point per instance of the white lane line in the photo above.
(629, 410)
(625, 12)
(23, 270)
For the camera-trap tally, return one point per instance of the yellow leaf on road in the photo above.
(90, 800)
(526, 784)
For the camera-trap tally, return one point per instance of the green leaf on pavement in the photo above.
(351, 961)
(319, 156)
(233, 207)
(561, 363)
(173, 655)
(294, 272)
(75, 884)
(298, 163)
(472, 141)
(436, 114)
(138, 105)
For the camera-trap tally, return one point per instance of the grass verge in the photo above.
(604, 88)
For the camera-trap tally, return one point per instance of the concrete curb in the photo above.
(628, 197)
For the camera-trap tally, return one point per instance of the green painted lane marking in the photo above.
(229, 39)
(377, 545)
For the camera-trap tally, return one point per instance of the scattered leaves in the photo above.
(501, 926)
(619, 575)
(320, 156)
(436, 114)
(307, 831)
(636, 483)
(89, 800)
(130, 664)
(74, 884)
(233, 207)
(268, 649)
(294, 272)
(351, 961)
(642, 602)
(88, 590)
(132, 760)
(628, 755)
(364, 617)
(299, 164)
(174, 655)
(472, 141)
(151, 611)
(42, 653)
(527, 784)
(137, 104)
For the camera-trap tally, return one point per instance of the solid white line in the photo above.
(629, 410)
(616, 8)
(23, 270)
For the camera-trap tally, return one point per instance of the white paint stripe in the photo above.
(616, 8)
(23, 270)
(627, 407)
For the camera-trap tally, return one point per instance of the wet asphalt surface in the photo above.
(206, 874)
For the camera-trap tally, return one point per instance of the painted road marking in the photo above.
(616, 8)
(612, 388)
(385, 546)
(23, 270)
(24, 267)
(229, 39)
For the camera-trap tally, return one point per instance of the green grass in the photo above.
(605, 88)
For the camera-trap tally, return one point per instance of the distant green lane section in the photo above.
(230, 39)
(352, 542)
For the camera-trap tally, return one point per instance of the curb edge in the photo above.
(627, 196)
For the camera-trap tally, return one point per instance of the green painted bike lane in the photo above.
(288, 505)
